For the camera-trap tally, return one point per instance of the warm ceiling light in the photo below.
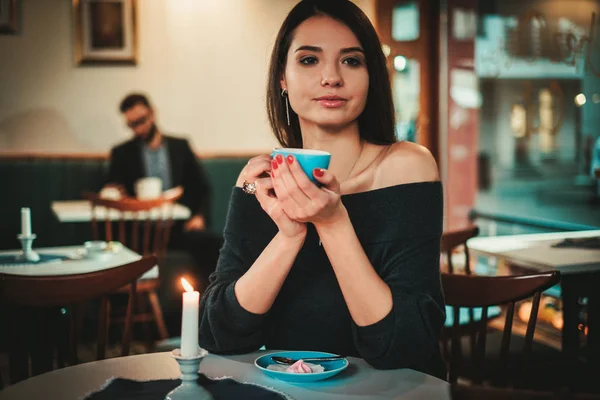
(580, 99)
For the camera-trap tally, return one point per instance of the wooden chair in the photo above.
(468, 317)
(32, 295)
(149, 229)
(486, 291)
(454, 239)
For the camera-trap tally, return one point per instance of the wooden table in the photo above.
(81, 211)
(359, 381)
(580, 276)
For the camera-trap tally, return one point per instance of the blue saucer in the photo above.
(331, 367)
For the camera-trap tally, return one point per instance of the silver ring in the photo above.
(249, 187)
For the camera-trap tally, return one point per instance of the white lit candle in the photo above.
(25, 221)
(189, 321)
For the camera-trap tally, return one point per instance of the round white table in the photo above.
(358, 381)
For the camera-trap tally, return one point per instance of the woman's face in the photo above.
(326, 75)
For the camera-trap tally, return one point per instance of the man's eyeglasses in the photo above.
(137, 122)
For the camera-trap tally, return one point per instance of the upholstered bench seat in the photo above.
(36, 181)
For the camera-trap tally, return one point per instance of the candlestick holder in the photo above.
(27, 253)
(189, 388)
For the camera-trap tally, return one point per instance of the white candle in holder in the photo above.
(25, 221)
(189, 321)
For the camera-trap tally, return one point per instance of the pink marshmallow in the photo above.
(299, 367)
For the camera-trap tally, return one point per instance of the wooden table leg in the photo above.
(42, 356)
(570, 332)
(18, 357)
(103, 315)
(593, 338)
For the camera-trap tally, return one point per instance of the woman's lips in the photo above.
(331, 102)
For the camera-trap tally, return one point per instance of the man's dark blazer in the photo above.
(127, 166)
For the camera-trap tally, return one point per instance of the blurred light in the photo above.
(387, 50)
(524, 311)
(63, 311)
(400, 63)
(596, 98)
(580, 99)
(558, 322)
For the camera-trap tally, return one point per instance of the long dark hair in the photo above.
(376, 122)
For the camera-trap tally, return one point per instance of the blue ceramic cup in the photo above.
(307, 158)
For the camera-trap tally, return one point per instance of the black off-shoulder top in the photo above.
(399, 228)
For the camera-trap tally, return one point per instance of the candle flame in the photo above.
(186, 285)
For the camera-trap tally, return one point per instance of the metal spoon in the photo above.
(290, 361)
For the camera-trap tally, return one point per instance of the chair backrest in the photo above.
(150, 220)
(452, 239)
(486, 291)
(63, 290)
(27, 295)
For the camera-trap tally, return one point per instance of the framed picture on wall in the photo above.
(8, 16)
(105, 31)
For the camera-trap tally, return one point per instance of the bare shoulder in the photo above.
(406, 162)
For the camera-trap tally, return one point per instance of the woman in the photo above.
(350, 267)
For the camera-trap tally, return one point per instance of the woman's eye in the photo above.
(352, 61)
(308, 60)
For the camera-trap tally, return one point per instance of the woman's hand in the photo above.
(301, 199)
(258, 171)
(257, 167)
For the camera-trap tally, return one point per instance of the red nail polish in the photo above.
(274, 164)
(319, 172)
(279, 159)
(290, 159)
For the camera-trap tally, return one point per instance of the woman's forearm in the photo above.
(257, 289)
(368, 297)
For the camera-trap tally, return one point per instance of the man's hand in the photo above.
(196, 223)
(113, 191)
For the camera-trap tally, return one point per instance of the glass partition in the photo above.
(538, 65)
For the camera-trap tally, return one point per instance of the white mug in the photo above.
(148, 188)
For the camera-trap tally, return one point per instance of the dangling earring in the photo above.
(287, 105)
